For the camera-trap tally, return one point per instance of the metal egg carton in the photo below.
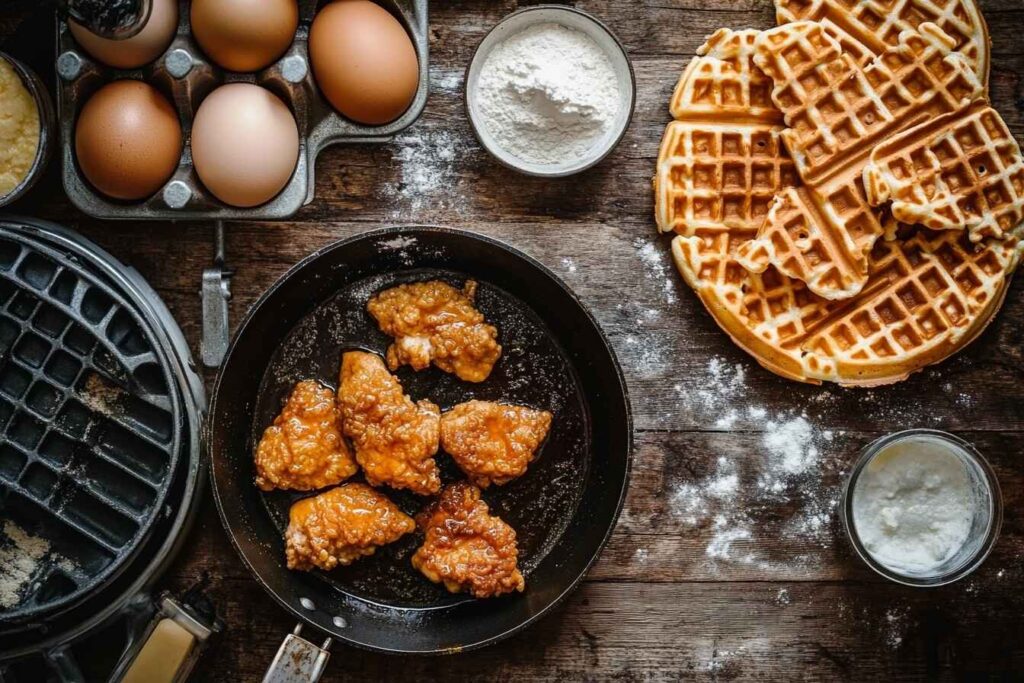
(186, 76)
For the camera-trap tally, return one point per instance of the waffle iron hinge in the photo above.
(216, 293)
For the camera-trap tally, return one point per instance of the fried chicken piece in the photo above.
(493, 443)
(434, 322)
(395, 439)
(466, 547)
(303, 449)
(340, 526)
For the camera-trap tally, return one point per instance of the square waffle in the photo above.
(878, 24)
(719, 176)
(721, 161)
(837, 109)
(961, 170)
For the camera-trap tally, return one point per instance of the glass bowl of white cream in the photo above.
(922, 507)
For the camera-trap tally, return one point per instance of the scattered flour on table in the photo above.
(569, 265)
(638, 316)
(896, 626)
(447, 81)
(20, 557)
(646, 355)
(647, 349)
(640, 556)
(961, 398)
(782, 598)
(726, 663)
(657, 268)
(427, 175)
(788, 467)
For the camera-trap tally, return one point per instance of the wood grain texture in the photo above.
(657, 606)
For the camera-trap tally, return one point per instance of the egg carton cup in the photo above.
(186, 76)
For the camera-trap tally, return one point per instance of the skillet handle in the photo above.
(298, 660)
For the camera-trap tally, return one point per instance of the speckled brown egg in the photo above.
(244, 35)
(128, 140)
(363, 60)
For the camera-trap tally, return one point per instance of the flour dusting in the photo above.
(427, 176)
(656, 267)
(448, 81)
(785, 472)
(896, 626)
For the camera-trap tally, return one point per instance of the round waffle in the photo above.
(923, 296)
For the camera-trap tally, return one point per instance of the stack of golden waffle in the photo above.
(846, 203)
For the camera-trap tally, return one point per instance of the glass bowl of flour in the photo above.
(550, 91)
(922, 507)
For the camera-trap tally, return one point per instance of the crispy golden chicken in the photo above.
(303, 449)
(340, 526)
(434, 322)
(467, 548)
(493, 443)
(395, 439)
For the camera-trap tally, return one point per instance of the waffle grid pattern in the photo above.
(928, 295)
(72, 465)
(879, 23)
(956, 172)
(719, 176)
(923, 295)
(722, 83)
(721, 161)
(835, 110)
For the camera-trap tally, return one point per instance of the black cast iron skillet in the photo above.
(555, 357)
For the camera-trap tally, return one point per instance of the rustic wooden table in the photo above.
(728, 561)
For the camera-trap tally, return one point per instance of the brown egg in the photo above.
(128, 140)
(244, 35)
(363, 61)
(245, 144)
(142, 48)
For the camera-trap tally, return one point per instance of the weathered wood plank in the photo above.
(652, 632)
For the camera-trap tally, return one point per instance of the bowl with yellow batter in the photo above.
(26, 125)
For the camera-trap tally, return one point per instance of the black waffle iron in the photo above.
(100, 425)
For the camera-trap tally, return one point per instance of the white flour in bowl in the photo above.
(548, 94)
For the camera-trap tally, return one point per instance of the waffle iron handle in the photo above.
(216, 293)
(166, 642)
(298, 660)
